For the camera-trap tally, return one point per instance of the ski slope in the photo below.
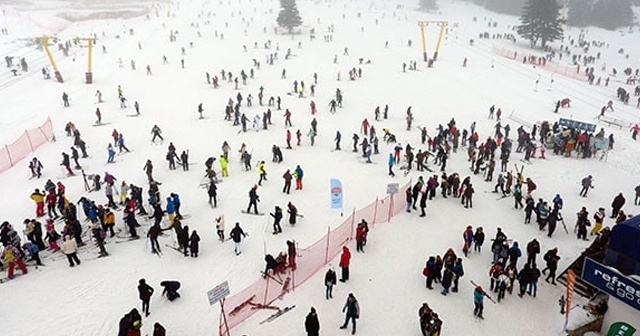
(387, 280)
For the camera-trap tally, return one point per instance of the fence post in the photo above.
(266, 291)
(375, 213)
(326, 250)
(6, 148)
(390, 208)
(353, 218)
(29, 139)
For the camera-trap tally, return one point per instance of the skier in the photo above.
(293, 213)
(36, 168)
(345, 259)
(277, 217)
(38, 197)
(156, 132)
(67, 164)
(391, 162)
(13, 256)
(311, 323)
(352, 310)
(148, 169)
(70, 249)
(121, 144)
(144, 293)
(262, 172)
(587, 183)
(152, 234)
(212, 192)
(337, 140)
(237, 234)
(253, 199)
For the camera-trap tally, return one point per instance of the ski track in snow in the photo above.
(91, 298)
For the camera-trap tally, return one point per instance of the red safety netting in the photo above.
(565, 70)
(27, 143)
(310, 260)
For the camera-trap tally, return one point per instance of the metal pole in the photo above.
(224, 317)
(326, 251)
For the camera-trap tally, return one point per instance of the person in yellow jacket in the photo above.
(109, 220)
(12, 257)
(262, 172)
(38, 197)
(223, 166)
(598, 217)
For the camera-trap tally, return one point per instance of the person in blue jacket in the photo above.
(170, 209)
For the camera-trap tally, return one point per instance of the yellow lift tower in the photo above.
(44, 40)
(89, 74)
(423, 24)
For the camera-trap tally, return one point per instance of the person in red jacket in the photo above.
(345, 258)
(360, 237)
(51, 201)
(531, 186)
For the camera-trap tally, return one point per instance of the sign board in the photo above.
(579, 125)
(621, 329)
(218, 293)
(336, 194)
(612, 282)
(392, 188)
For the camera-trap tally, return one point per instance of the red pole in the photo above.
(29, 139)
(390, 208)
(353, 217)
(326, 250)
(6, 148)
(375, 212)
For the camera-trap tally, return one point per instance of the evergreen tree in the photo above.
(612, 14)
(541, 21)
(289, 16)
(429, 5)
(580, 13)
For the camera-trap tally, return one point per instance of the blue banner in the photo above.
(611, 282)
(336, 194)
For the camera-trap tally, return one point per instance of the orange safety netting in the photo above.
(262, 293)
(27, 143)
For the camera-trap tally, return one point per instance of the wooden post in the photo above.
(29, 139)
(422, 24)
(442, 25)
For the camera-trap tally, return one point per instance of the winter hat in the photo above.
(479, 288)
(313, 310)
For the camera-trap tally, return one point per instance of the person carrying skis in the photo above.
(478, 298)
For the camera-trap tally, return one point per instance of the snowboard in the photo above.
(101, 124)
(252, 213)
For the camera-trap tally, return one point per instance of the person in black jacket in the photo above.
(277, 217)
(253, 199)
(213, 193)
(352, 309)
(330, 279)
(194, 243)
(236, 234)
(144, 292)
(311, 323)
(183, 239)
(152, 234)
(170, 289)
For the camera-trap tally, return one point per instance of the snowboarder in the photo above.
(253, 199)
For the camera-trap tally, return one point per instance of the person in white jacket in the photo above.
(70, 249)
(220, 227)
